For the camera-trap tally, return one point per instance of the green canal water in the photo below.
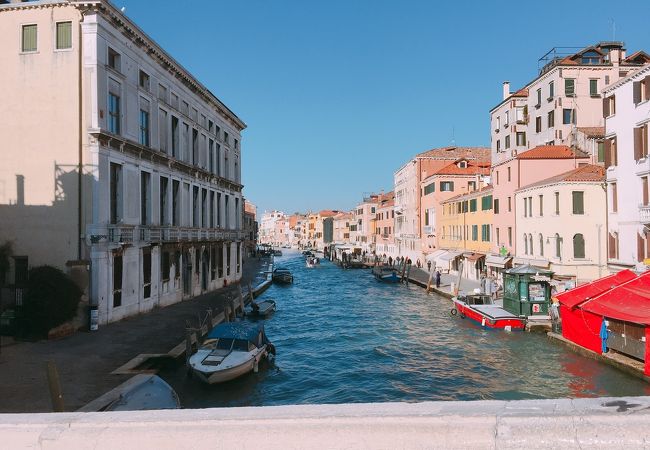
(343, 337)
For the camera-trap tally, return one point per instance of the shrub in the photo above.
(51, 299)
(5, 254)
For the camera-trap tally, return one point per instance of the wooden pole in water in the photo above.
(430, 281)
(403, 271)
(188, 343)
(226, 313)
(55, 387)
(408, 273)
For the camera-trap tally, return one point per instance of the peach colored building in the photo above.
(561, 224)
(385, 224)
(362, 231)
(458, 178)
(408, 193)
(324, 231)
(341, 222)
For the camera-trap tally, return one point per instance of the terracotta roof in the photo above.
(472, 168)
(484, 190)
(588, 173)
(523, 92)
(328, 213)
(640, 55)
(597, 132)
(552, 152)
(455, 153)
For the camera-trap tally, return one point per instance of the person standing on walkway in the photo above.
(438, 275)
(390, 261)
(429, 265)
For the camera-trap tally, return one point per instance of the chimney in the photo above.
(506, 89)
(20, 190)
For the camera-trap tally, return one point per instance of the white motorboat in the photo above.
(263, 308)
(230, 351)
(312, 261)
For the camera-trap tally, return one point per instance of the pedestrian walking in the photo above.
(438, 275)
(429, 266)
(390, 261)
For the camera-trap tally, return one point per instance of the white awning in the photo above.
(497, 261)
(543, 263)
(451, 254)
(433, 256)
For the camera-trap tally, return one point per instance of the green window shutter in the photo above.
(30, 34)
(472, 205)
(475, 232)
(63, 35)
(578, 202)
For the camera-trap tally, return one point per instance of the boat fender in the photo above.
(256, 365)
(483, 322)
(453, 311)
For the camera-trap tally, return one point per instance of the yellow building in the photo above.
(466, 228)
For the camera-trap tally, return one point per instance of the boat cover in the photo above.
(494, 311)
(237, 330)
(629, 302)
(497, 261)
(573, 297)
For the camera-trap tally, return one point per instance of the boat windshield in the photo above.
(224, 343)
(240, 345)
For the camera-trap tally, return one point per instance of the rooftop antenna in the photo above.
(613, 29)
(453, 135)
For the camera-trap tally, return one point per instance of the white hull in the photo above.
(217, 374)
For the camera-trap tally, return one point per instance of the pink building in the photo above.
(525, 168)
(384, 224)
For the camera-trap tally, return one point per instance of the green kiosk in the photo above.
(527, 290)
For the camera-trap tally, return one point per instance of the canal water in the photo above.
(343, 337)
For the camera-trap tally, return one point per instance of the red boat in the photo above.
(479, 308)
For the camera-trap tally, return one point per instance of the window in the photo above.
(509, 173)
(116, 193)
(578, 246)
(641, 90)
(551, 91)
(196, 211)
(601, 151)
(569, 87)
(176, 207)
(520, 113)
(29, 38)
(146, 272)
(117, 280)
(485, 233)
(162, 93)
(609, 106)
(614, 197)
(498, 240)
(496, 206)
(211, 155)
(498, 145)
(557, 203)
(641, 142)
(551, 119)
(429, 188)
(497, 175)
(541, 245)
(486, 203)
(175, 138)
(521, 138)
(114, 59)
(538, 124)
(143, 80)
(226, 138)
(506, 121)
(144, 126)
(593, 87)
(507, 141)
(644, 188)
(228, 254)
(165, 267)
(195, 146)
(611, 152)
(558, 246)
(472, 205)
(525, 244)
(63, 35)
(539, 98)
(613, 245)
(446, 186)
(541, 205)
(113, 113)
(525, 207)
(498, 126)
(578, 202)
(510, 236)
(145, 198)
(530, 244)
(509, 204)
(568, 116)
(217, 158)
(164, 203)
(227, 212)
(162, 130)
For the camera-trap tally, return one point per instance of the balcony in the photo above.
(644, 213)
(130, 234)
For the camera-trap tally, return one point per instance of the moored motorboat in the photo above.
(312, 261)
(262, 308)
(481, 309)
(282, 275)
(230, 351)
(277, 253)
(386, 274)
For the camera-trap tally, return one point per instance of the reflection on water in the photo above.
(341, 337)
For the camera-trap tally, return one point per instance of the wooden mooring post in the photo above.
(429, 283)
(54, 384)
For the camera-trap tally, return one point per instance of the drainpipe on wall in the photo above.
(80, 143)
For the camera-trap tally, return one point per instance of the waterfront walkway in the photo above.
(421, 277)
(85, 360)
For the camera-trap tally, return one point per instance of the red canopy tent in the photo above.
(582, 293)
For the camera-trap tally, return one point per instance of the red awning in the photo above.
(580, 294)
(629, 302)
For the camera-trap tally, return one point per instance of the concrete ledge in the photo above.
(564, 423)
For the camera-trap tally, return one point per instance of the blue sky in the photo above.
(338, 94)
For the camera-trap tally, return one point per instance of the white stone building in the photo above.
(626, 107)
(133, 170)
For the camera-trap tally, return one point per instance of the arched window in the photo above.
(530, 244)
(578, 246)
(541, 244)
(525, 244)
(558, 246)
